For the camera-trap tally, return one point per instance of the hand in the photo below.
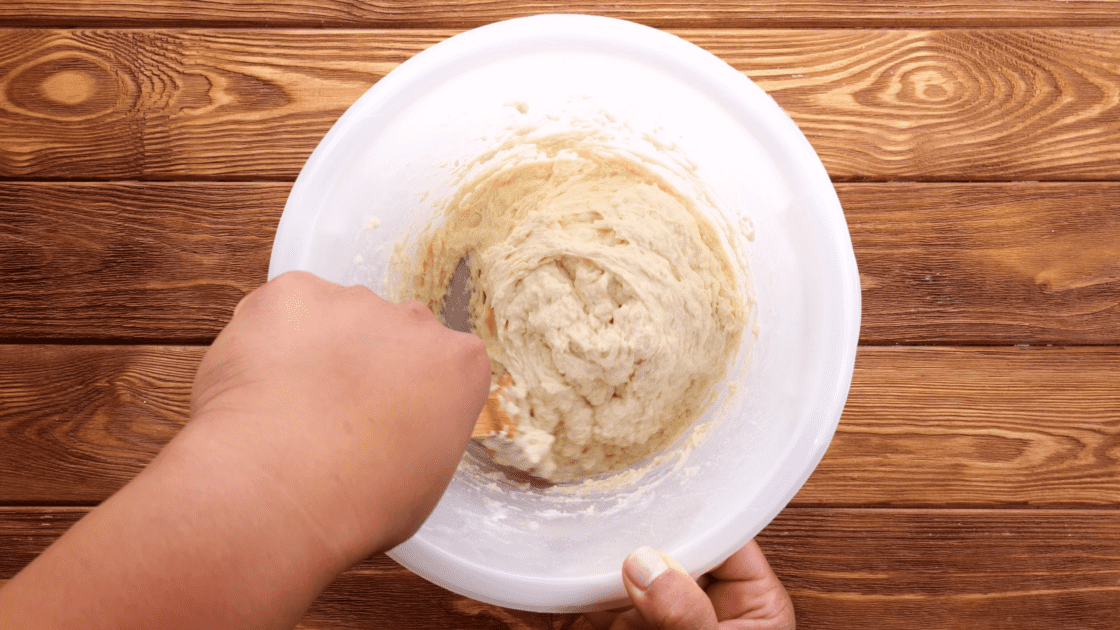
(325, 425)
(741, 594)
(358, 408)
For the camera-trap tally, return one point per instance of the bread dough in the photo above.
(602, 291)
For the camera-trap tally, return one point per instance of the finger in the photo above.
(664, 595)
(746, 564)
(747, 589)
(600, 620)
(603, 619)
(765, 604)
(631, 620)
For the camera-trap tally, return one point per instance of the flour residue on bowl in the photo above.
(604, 284)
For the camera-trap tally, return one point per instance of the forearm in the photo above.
(198, 540)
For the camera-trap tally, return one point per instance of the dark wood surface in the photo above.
(147, 149)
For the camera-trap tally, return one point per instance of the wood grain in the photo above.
(966, 487)
(1020, 263)
(937, 105)
(171, 105)
(1017, 263)
(153, 262)
(923, 427)
(996, 569)
(949, 105)
(27, 532)
(976, 427)
(465, 13)
(887, 569)
(77, 422)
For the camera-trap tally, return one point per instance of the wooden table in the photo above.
(147, 149)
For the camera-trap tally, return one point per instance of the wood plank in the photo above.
(77, 422)
(179, 104)
(27, 532)
(153, 261)
(1017, 263)
(997, 569)
(976, 427)
(944, 105)
(1016, 569)
(465, 13)
(1007, 264)
(923, 427)
(946, 569)
(948, 105)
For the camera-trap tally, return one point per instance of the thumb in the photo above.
(664, 594)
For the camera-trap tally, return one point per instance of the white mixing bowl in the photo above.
(392, 153)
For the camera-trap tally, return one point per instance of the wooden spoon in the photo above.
(493, 420)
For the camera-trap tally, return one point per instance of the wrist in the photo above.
(299, 477)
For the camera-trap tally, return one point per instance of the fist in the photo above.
(356, 408)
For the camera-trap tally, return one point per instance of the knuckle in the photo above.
(677, 617)
(281, 286)
(418, 310)
(692, 618)
(358, 292)
(240, 303)
(475, 355)
(465, 355)
(291, 279)
(245, 304)
(679, 603)
(357, 302)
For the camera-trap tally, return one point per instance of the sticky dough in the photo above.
(604, 294)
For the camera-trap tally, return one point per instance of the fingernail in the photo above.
(643, 566)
